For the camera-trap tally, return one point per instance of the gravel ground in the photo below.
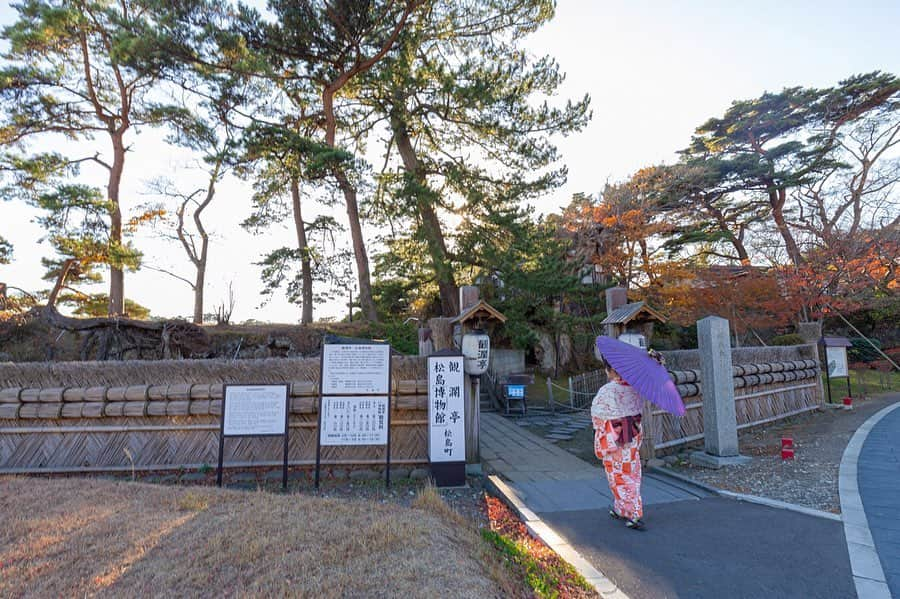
(811, 478)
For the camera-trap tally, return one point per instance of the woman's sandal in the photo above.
(635, 524)
(615, 515)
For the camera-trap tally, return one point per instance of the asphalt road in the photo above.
(714, 548)
(879, 488)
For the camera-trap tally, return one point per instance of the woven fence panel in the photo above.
(164, 418)
(794, 392)
(764, 392)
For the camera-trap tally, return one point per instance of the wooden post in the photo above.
(441, 333)
(571, 394)
(648, 446)
(550, 395)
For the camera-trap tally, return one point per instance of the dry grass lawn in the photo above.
(90, 537)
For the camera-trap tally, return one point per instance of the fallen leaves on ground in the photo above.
(556, 577)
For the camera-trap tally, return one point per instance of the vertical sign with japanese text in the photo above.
(446, 422)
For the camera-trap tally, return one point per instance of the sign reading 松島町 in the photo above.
(446, 408)
(348, 420)
(252, 410)
(355, 369)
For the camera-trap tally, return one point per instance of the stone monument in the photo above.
(717, 382)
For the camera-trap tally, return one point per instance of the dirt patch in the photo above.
(94, 537)
(811, 478)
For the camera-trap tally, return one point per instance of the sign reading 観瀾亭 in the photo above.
(355, 420)
(446, 422)
(252, 410)
(356, 369)
(836, 357)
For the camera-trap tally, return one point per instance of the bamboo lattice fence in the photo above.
(84, 416)
(763, 393)
(786, 385)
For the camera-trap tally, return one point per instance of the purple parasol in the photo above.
(641, 371)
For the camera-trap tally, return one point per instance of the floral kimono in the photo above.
(616, 414)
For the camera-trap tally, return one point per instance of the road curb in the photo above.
(748, 498)
(868, 575)
(540, 530)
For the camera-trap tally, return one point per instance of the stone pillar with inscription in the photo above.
(717, 382)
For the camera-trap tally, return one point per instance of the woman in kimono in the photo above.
(616, 414)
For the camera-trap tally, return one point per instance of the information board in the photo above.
(356, 369)
(836, 357)
(255, 410)
(446, 409)
(354, 420)
(515, 391)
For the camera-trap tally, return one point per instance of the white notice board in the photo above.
(446, 409)
(836, 357)
(356, 369)
(255, 410)
(354, 420)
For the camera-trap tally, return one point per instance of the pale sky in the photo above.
(655, 70)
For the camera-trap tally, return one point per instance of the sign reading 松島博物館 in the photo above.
(446, 421)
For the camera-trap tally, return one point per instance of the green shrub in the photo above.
(862, 351)
(789, 339)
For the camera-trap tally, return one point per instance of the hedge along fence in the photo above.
(83, 416)
(770, 383)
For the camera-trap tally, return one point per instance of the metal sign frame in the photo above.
(351, 397)
(287, 418)
(843, 344)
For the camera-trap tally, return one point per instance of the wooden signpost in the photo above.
(354, 399)
(446, 419)
(255, 411)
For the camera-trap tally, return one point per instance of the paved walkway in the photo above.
(878, 471)
(697, 545)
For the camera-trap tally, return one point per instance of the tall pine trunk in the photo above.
(116, 273)
(776, 201)
(429, 222)
(366, 302)
(302, 244)
(199, 283)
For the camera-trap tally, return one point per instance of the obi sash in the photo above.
(627, 428)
